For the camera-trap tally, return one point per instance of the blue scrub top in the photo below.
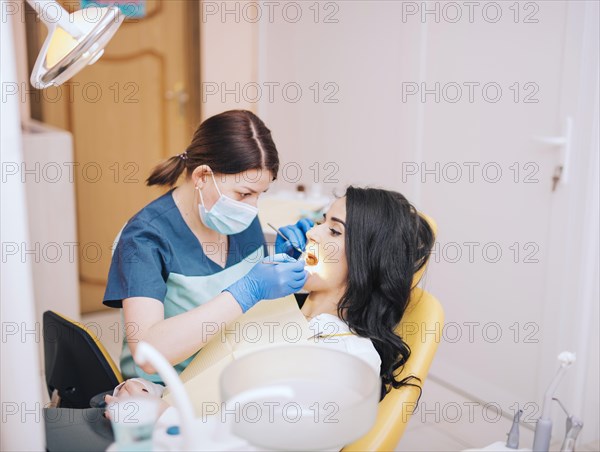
(158, 256)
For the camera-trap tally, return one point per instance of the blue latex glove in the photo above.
(269, 281)
(296, 233)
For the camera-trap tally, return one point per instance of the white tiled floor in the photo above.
(442, 423)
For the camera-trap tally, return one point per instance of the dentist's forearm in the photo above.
(183, 335)
(179, 337)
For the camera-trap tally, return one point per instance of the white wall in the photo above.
(355, 65)
(228, 56)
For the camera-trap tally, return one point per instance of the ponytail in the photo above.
(167, 172)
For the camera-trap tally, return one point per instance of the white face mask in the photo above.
(227, 216)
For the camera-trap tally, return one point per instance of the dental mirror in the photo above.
(74, 40)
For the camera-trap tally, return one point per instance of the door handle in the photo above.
(563, 144)
(179, 94)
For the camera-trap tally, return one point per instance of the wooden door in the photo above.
(136, 106)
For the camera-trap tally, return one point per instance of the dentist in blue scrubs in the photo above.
(193, 259)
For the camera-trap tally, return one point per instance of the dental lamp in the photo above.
(74, 40)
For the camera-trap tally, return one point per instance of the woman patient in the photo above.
(365, 253)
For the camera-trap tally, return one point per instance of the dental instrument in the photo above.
(513, 435)
(573, 427)
(284, 237)
(310, 259)
(543, 427)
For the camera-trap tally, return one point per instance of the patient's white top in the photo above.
(331, 331)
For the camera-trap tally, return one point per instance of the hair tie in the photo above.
(183, 155)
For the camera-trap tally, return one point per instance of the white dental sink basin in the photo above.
(300, 397)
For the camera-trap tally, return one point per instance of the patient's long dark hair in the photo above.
(387, 242)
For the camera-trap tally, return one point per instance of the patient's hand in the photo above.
(132, 388)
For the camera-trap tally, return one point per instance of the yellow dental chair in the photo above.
(421, 328)
(77, 365)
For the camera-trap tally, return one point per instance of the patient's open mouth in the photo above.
(311, 259)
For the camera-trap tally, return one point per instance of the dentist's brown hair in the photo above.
(230, 143)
